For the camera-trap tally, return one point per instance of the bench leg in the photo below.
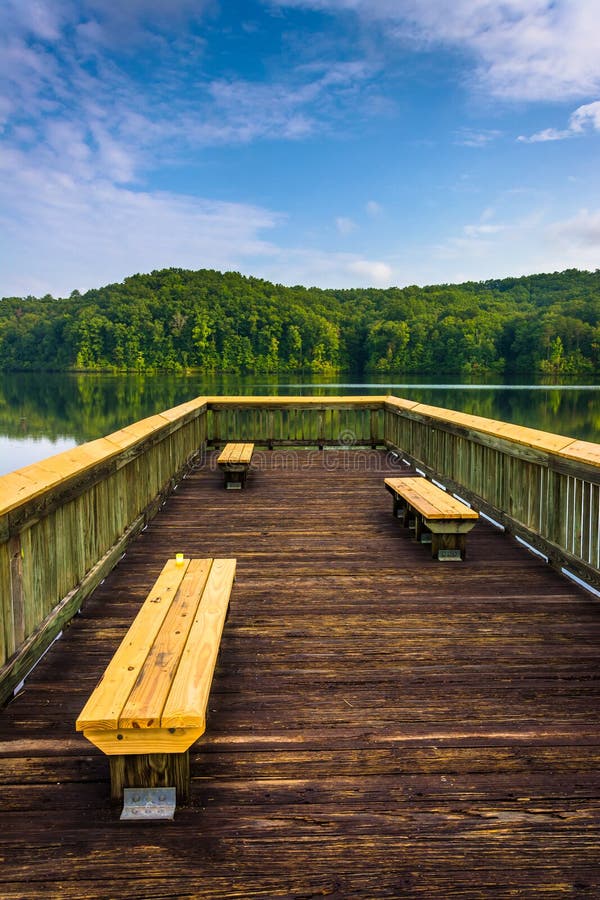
(400, 511)
(422, 532)
(150, 770)
(453, 546)
(235, 479)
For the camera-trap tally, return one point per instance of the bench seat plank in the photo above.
(159, 679)
(103, 708)
(150, 705)
(188, 698)
(147, 699)
(429, 500)
(236, 454)
(234, 461)
(438, 516)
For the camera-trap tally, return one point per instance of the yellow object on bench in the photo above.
(150, 705)
(234, 460)
(435, 511)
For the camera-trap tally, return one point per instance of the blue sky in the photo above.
(335, 143)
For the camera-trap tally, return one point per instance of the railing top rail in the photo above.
(24, 485)
(560, 445)
(374, 401)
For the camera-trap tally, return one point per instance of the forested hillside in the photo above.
(209, 321)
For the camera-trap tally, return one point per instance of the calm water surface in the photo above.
(41, 414)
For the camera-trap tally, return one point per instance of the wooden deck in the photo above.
(382, 724)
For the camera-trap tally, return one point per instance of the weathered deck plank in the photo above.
(380, 726)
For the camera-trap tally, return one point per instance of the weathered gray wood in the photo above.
(297, 420)
(539, 485)
(30, 650)
(64, 535)
(557, 555)
(17, 595)
(380, 727)
(526, 481)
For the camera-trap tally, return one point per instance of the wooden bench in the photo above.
(234, 460)
(150, 705)
(438, 516)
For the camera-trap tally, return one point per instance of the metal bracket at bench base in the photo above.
(446, 554)
(148, 803)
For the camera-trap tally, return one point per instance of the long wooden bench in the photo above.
(234, 461)
(150, 705)
(438, 516)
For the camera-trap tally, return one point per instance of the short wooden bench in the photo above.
(234, 461)
(438, 516)
(150, 705)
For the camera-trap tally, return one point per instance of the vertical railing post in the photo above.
(17, 593)
(270, 428)
(321, 429)
(374, 418)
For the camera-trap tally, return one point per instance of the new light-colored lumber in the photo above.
(429, 500)
(236, 454)
(104, 707)
(152, 697)
(188, 697)
(145, 703)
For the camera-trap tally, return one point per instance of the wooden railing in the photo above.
(65, 522)
(543, 488)
(315, 421)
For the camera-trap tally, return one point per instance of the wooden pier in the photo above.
(381, 724)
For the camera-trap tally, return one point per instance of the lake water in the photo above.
(43, 414)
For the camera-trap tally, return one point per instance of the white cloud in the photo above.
(586, 118)
(107, 20)
(42, 19)
(310, 98)
(80, 134)
(581, 232)
(482, 230)
(317, 267)
(373, 209)
(470, 138)
(378, 273)
(547, 134)
(522, 49)
(345, 226)
(529, 243)
(62, 231)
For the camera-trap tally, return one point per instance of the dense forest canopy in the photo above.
(177, 320)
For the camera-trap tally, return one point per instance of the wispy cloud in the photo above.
(533, 241)
(312, 266)
(310, 99)
(345, 226)
(581, 232)
(585, 119)
(82, 127)
(64, 63)
(488, 239)
(373, 209)
(377, 273)
(534, 50)
(106, 231)
(470, 138)
(131, 20)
